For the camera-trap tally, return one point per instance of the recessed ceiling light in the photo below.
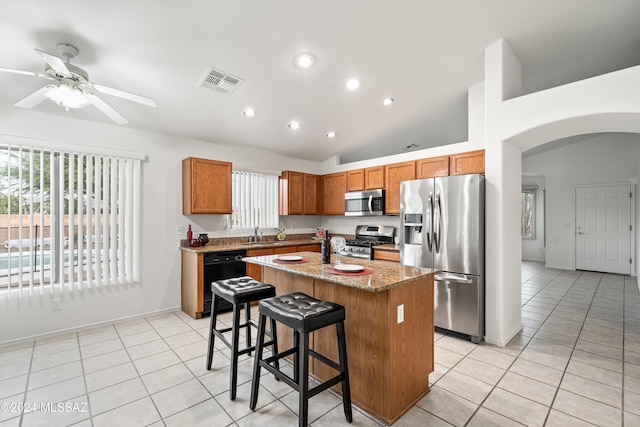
(304, 60)
(249, 112)
(331, 134)
(387, 101)
(294, 125)
(353, 84)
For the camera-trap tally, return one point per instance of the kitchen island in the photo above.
(389, 326)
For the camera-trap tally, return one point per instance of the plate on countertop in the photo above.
(348, 267)
(289, 258)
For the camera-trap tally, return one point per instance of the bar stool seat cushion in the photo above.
(301, 312)
(239, 290)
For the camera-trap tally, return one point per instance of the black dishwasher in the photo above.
(219, 266)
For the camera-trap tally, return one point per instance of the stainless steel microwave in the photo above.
(364, 203)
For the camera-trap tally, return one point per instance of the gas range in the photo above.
(368, 236)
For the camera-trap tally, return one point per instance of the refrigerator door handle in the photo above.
(452, 278)
(429, 222)
(437, 226)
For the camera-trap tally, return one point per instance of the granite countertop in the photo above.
(215, 246)
(386, 275)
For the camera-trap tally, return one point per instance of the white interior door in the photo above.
(603, 228)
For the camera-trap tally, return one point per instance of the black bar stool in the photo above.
(238, 291)
(304, 315)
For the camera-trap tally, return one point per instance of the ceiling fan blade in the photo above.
(55, 63)
(108, 111)
(126, 95)
(26, 73)
(35, 98)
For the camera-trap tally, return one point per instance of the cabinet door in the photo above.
(310, 195)
(374, 178)
(432, 167)
(355, 180)
(291, 193)
(335, 186)
(394, 175)
(206, 186)
(312, 247)
(466, 163)
(254, 270)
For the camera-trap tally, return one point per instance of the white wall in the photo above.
(600, 159)
(159, 288)
(517, 123)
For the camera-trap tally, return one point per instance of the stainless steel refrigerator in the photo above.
(442, 227)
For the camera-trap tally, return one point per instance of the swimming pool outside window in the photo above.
(69, 220)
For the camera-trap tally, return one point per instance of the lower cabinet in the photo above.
(386, 256)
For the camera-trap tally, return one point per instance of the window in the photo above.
(254, 200)
(68, 220)
(528, 213)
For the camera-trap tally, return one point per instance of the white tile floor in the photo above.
(577, 362)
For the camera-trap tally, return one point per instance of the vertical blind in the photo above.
(254, 200)
(71, 220)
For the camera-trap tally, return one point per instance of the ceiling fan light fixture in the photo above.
(67, 97)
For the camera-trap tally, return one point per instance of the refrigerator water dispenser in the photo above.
(413, 229)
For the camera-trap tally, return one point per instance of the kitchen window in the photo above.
(254, 200)
(69, 220)
(528, 204)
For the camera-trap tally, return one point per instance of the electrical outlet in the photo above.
(179, 231)
(401, 313)
(56, 304)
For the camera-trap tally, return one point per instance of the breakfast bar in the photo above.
(389, 324)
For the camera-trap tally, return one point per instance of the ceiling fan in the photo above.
(72, 88)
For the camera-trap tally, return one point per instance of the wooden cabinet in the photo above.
(365, 179)
(394, 175)
(335, 185)
(310, 195)
(355, 180)
(374, 178)
(432, 167)
(298, 193)
(386, 255)
(192, 294)
(466, 163)
(206, 186)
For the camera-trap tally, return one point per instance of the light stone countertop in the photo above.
(215, 246)
(386, 274)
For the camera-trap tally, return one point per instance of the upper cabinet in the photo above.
(394, 175)
(432, 167)
(355, 180)
(206, 186)
(335, 185)
(466, 163)
(298, 194)
(310, 196)
(374, 178)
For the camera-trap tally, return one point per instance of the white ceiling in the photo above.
(424, 54)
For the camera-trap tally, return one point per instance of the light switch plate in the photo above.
(179, 231)
(401, 313)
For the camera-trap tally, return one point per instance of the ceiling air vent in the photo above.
(220, 81)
